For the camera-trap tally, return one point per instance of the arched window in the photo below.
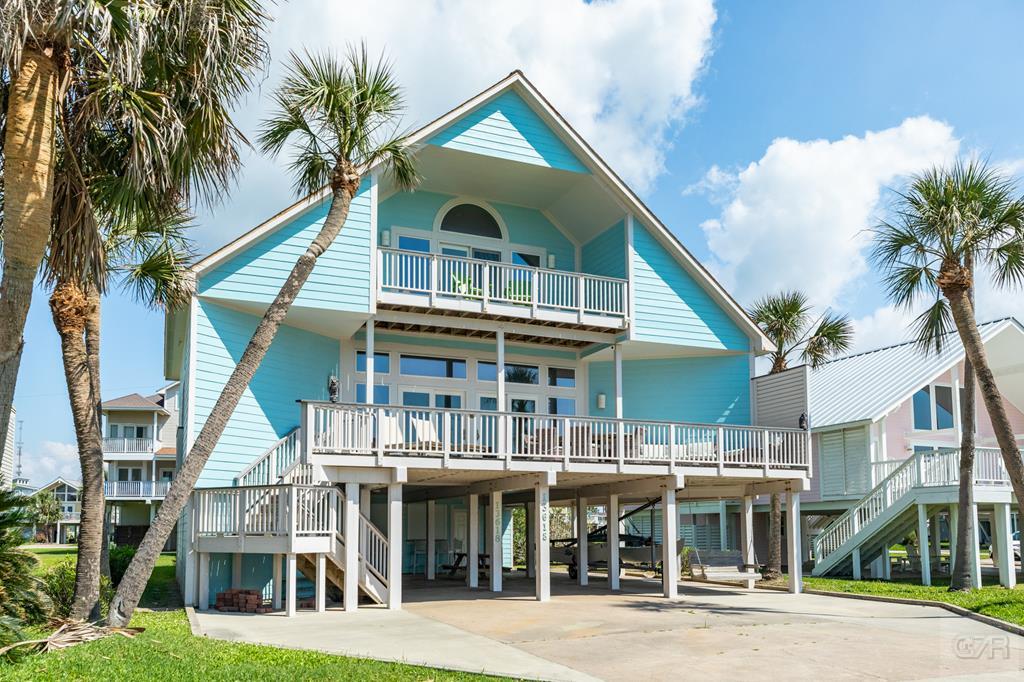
(472, 220)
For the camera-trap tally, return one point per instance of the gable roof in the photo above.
(517, 82)
(134, 401)
(77, 485)
(867, 386)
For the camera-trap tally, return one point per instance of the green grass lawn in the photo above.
(990, 600)
(167, 650)
(49, 556)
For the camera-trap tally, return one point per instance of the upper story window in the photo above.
(472, 220)
(381, 362)
(424, 366)
(933, 408)
(65, 493)
(128, 431)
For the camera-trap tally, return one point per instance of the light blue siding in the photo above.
(443, 346)
(671, 307)
(526, 226)
(709, 389)
(506, 127)
(340, 280)
(297, 365)
(605, 254)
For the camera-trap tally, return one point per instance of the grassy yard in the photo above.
(990, 600)
(167, 650)
(48, 556)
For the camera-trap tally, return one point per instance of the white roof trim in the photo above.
(577, 144)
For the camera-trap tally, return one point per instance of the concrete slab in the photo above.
(388, 636)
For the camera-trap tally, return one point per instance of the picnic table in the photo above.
(483, 562)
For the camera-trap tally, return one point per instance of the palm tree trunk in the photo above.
(960, 579)
(134, 581)
(963, 315)
(773, 568)
(28, 206)
(69, 308)
(92, 358)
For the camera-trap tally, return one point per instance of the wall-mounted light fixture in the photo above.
(385, 237)
(602, 400)
(551, 261)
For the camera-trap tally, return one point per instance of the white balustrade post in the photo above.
(796, 564)
(431, 539)
(395, 538)
(582, 558)
(473, 553)
(350, 536)
(486, 289)
(581, 293)
(669, 542)
(764, 452)
(496, 548)
(240, 514)
(542, 517)
(433, 286)
(534, 291)
(613, 541)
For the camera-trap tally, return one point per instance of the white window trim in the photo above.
(933, 407)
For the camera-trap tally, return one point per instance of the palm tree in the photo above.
(943, 223)
(341, 116)
(19, 598)
(73, 68)
(44, 510)
(786, 318)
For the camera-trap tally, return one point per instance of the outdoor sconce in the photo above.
(602, 400)
(385, 237)
(332, 388)
(551, 261)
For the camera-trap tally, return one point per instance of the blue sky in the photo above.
(764, 134)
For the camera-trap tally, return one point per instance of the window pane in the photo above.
(381, 362)
(452, 402)
(381, 394)
(421, 366)
(561, 406)
(471, 219)
(524, 406)
(530, 259)
(923, 409)
(521, 374)
(415, 399)
(486, 371)
(558, 376)
(114, 431)
(488, 403)
(943, 407)
(414, 244)
(487, 254)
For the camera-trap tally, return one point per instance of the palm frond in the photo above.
(832, 337)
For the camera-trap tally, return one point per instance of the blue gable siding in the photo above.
(297, 365)
(710, 389)
(671, 307)
(506, 127)
(340, 280)
(605, 254)
(526, 226)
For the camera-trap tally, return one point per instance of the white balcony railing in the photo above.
(136, 489)
(434, 280)
(377, 429)
(70, 517)
(128, 445)
(278, 510)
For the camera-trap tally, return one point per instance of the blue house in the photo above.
(519, 331)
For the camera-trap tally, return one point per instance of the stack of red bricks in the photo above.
(244, 601)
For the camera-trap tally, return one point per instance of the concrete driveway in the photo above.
(711, 632)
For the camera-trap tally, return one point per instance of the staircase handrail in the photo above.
(275, 464)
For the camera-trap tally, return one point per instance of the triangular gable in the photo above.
(507, 128)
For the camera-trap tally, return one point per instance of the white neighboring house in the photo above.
(886, 430)
(7, 453)
(139, 453)
(68, 494)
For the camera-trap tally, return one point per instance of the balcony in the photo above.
(135, 490)
(70, 517)
(408, 279)
(476, 439)
(124, 446)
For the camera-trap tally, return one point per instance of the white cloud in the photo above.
(883, 327)
(622, 72)
(51, 460)
(799, 216)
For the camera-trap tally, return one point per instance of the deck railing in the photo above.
(435, 276)
(268, 468)
(925, 469)
(378, 429)
(278, 510)
(128, 445)
(139, 489)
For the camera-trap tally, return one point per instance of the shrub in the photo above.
(59, 586)
(120, 557)
(19, 594)
(41, 537)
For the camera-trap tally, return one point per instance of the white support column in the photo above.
(153, 444)
(531, 540)
(431, 540)
(369, 363)
(495, 550)
(855, 558)
(236, 571)
(473, 555)
(796, 564)
(364, 500)
(723, 526)
(669, 542)
(275, 588)
(582, 553)
(291, 569)
(747, 533)
(617, 355)
(321, 582)
(922, 544)
(542, 517)
(886, 564)
(500, 339)
(1004, 545)
(395, 545)
(204, 581)
(935, 538)
(350, 532)
(613, 541)
(975, 554)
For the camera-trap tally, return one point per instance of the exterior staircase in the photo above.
(888, 512)
(280, 465)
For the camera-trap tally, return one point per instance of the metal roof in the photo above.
(867, 386)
